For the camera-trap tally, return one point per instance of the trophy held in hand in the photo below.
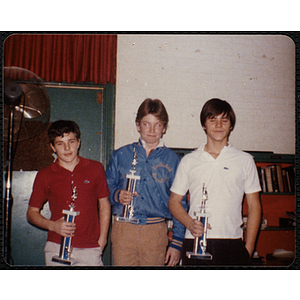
(64, 256)
(200, 244)
(128, 210)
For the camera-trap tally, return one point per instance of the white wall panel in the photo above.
(254, 73)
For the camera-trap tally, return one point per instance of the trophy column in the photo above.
(200, 244)
(128, 210)
(64, 256)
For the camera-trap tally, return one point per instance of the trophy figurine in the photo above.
(64, 256)
(199, 248)
(128, 210)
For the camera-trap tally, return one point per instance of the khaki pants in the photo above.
(139, 245)
(81, 256)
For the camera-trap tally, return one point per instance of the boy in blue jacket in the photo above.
(145, 242)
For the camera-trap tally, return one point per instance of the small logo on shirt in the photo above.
(164, 171)
(86, 181)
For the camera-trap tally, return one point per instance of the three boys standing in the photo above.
(160, 194)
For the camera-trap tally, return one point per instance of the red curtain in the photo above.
(70, 58)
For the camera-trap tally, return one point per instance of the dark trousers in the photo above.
(225, 252)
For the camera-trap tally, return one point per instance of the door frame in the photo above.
(107, 117)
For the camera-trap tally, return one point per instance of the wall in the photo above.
(27, 241)
(255, 73)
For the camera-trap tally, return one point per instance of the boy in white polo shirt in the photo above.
(228, 174)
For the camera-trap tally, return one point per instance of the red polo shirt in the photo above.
(54, 184)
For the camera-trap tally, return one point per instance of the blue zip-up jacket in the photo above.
(157, 172)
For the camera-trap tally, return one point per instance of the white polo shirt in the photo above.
(227, 178)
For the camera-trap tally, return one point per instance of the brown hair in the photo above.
(154, 107)
(58, 128)
(215, 107)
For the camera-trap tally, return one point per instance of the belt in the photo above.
(153, 220)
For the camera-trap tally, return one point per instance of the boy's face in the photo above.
(66, 147)
(218, 128)
(151, 129)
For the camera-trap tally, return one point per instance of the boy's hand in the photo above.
(126, 197)
(102, 241)
(64, 228)
(196, 228)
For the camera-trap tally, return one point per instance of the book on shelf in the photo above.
(269, 179)
(261, 175)
(276, 179)
(290, 176)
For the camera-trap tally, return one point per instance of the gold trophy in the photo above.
(128, 210)
(200, 244)
(64, 256)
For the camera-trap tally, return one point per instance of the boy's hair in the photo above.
(215, 107)
(60, 127)
(154, 107)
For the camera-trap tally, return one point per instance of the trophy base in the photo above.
(128, 220)
(62, 261)
(193, 255)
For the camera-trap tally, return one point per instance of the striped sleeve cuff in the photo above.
(116, 195)
(176, 243)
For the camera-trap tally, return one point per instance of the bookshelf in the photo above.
(278, 206)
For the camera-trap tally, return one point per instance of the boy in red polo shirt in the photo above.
(55, 184)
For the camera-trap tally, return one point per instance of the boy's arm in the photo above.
(112, 179)
(60, 226)
(253, 220)
(104, 219)
(178, 211)
(178, 233)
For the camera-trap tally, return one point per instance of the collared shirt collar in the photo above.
(201, 150)
(160, 144)
(82, 163)
(201, 147)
